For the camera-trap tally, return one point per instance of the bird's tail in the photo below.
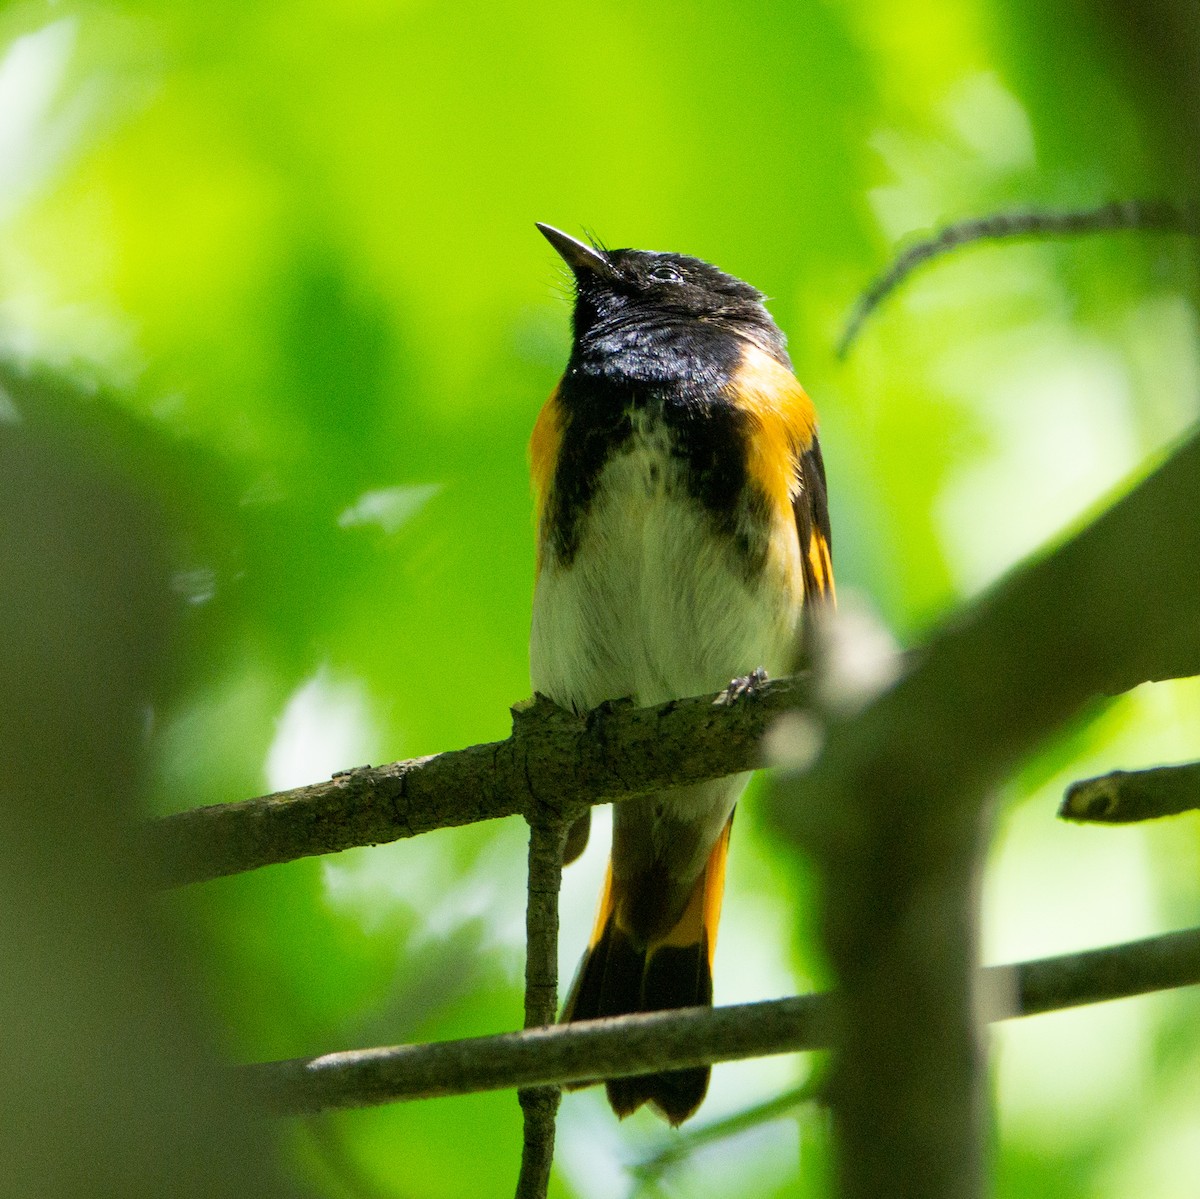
(674, 970)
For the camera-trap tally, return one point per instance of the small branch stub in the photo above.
(1125, 796)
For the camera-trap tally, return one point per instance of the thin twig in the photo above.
(683, 1145)
(539, 1105)
(646, 1043)
(1151, 216)
(1128, 795)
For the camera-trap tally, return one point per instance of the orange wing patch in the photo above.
(811, 511)
(820, 564)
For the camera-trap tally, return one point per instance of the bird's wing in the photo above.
(811, 509)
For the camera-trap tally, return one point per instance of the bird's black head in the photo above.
(661, 302)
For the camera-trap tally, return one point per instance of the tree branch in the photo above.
(625, 1045)
(1125, 796)
(621, 752)
(894, 812)
(1155, 216)
(553, 758)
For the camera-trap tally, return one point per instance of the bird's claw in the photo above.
(741, 687)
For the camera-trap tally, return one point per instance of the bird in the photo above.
(683, 543)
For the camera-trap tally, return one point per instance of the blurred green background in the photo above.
(272, 268)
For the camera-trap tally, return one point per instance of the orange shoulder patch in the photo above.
(544, 445)
(782, 423)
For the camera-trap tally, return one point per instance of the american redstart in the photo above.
(682, 537)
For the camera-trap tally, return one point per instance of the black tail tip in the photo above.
(675, 1094)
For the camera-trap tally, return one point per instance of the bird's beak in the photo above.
(583, 259)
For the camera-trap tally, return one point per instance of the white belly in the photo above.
(655, 605)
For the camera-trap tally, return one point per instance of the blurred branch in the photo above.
(113, 1082)
(539, 1105)
(1125, 796)
(554, 759)
(894, 811)
(684, 1144)
(639, 1044)
(1151, 216)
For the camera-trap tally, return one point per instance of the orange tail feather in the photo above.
(617, 977)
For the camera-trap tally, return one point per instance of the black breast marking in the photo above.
(709, 434)
(681, 382)
(598, 424)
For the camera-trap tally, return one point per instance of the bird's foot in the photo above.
(741, 687)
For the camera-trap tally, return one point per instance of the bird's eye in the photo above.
(664, 273)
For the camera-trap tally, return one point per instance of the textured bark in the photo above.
(554, 759)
